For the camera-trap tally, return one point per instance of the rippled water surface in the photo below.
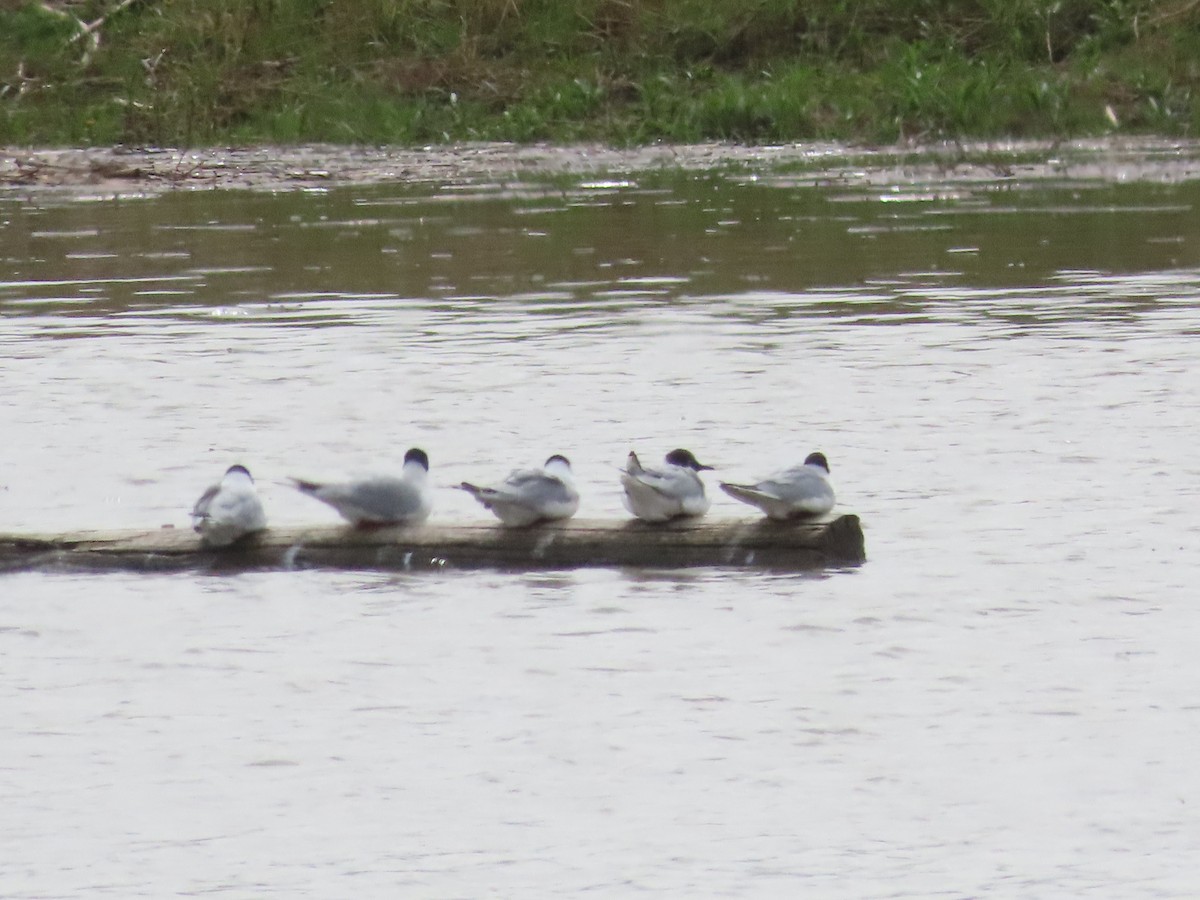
(1002, 702)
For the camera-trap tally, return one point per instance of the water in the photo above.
(1001, 702)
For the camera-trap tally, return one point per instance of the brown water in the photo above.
(1001, 702)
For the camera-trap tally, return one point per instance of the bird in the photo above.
(229, 510)
(657, 495)
(527, 496)
(377, 500)
(803, 490)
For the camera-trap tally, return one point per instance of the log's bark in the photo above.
(576, 543)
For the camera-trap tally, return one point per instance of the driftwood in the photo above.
(577, 543)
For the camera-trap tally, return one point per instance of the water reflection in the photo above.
(658, 237)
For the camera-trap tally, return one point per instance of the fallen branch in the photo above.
(89, 31)
(573, 544)
(1168, 15)
(91, 27)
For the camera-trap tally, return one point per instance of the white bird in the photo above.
(531, 495)
(229, 510)
(799, 491)
(657, 495)
(375, 500)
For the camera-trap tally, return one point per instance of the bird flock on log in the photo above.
(231, 509)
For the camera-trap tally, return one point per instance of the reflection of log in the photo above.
(789, 545)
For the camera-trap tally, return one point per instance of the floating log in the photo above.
(576, 543)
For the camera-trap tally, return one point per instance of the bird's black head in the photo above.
(558, 457)
(242, 469)
(817, 459)
(417, 456)
(685, 458)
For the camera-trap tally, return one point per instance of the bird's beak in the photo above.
(704, 468)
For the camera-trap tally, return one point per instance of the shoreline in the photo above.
(124, 171)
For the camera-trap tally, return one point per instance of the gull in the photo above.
(229, 509)
(531, 495)
(799, 491)
(656, 495)
(376, 500)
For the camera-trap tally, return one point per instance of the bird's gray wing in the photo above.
(200, 510)
(796, 484)
(674, 484)
(780, 485)
(535, 489)
(378, 496)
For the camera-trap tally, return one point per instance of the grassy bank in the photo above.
(192, 72)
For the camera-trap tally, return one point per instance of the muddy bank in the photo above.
(137, 171)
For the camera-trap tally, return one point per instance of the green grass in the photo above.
(192, 72)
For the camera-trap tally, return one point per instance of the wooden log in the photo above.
(576, 543)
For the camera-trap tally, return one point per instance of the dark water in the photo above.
(1002, 702)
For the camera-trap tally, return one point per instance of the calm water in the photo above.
(1004, 701)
